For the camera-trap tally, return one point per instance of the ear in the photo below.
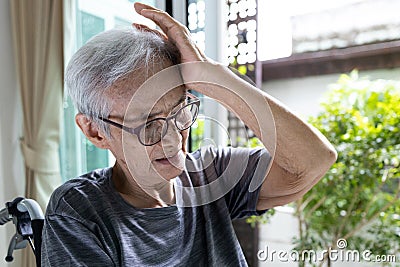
(91, 131)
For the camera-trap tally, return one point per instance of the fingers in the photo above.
(161, 18)
(140, 6)
(176, 33)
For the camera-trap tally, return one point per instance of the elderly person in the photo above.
(146, 209)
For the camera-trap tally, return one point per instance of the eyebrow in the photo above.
(155, 114)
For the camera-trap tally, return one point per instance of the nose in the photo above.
(172, 141)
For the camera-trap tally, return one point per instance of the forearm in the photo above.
(302, 153)
(245, 100)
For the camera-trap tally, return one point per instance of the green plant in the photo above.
(254, 220)
(358, 199)
(197, 133)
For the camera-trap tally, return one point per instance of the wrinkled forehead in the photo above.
(143, 89)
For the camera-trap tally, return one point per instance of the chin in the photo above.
(169, 173)
(170, 168)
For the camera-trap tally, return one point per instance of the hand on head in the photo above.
(175, 32)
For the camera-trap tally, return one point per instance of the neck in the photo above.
(155, 197)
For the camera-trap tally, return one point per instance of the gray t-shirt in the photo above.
(88, 223)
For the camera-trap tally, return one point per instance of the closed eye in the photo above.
(176, 107)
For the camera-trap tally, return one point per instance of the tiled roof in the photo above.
(365, 22)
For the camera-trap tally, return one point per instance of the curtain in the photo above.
(38, 44)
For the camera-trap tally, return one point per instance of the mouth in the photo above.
(168, 160)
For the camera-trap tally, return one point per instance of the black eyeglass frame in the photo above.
(136, 130)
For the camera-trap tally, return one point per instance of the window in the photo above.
(77, 154)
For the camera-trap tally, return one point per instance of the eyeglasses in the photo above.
(154, 130)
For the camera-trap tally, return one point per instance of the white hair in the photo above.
(108, 57)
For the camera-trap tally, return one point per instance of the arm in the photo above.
(302, 154)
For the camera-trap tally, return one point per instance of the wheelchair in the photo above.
(28, 219)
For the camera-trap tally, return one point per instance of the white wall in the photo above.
(276, 235)
(302, 95)
(11, 164)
